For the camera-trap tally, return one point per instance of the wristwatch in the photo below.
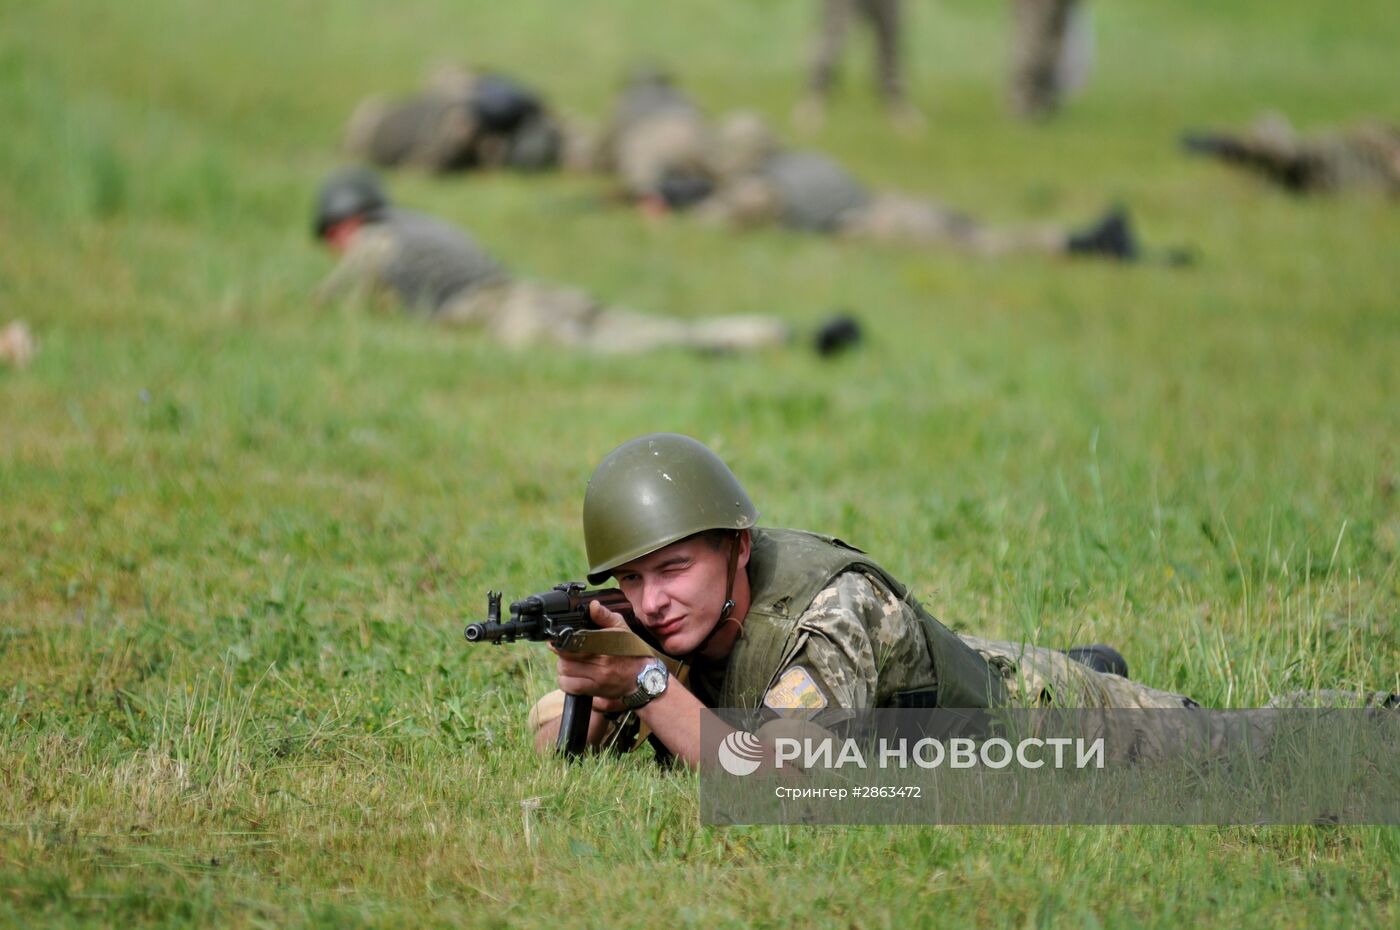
(651, 682)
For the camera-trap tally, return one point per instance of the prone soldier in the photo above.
(786, 621)
(436, 270)
(658, 143)
(461, 120)
(763, 182)
(1365, 156)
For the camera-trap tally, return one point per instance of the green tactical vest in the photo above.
(787, 570)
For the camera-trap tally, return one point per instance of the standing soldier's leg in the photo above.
(1038, 35)
(886, 22)
(826, 59)
(831, 41)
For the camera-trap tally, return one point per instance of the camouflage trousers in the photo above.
(1174, 725)
(883, 17)
(1034, 675)
(520, 314)
(902, 218)
(1039, 28)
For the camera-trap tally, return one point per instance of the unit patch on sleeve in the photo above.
(796, 690)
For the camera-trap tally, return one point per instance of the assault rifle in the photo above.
(560, 616)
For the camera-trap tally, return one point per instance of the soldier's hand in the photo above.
(604, 677)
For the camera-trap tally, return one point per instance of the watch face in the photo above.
(654, 681)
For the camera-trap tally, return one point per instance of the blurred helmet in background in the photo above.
(346, 194)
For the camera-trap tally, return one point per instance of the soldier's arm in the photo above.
(674, 718)
(853, 631)
(544, 723)
(361, 269)
(844, 639)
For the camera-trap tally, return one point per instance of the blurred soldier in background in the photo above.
(437, 271)
(1051, 54)
(461, 120)
(669, 156)
(1365, 156)
(762, 182)
(16, 344)
(884, 19)
(658, 143)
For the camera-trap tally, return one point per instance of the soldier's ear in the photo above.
(744, 540)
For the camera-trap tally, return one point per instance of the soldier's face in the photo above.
(678, 592)
(338, 237)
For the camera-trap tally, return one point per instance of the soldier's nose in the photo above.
(655, 601)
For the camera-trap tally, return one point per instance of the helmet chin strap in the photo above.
(724, 612)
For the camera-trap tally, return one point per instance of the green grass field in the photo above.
(239, 535)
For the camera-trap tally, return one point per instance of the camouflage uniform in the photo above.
(1040, 29)
(764, 183)
(883, 17)
(1363, 157)
(436, 270)
(655, 133)
(452, 125)
(861, 646)
(862, 642)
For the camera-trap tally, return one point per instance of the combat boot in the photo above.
(837, 334)
(1111, 237)
(1100, 658)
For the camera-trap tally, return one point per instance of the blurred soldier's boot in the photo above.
(1112, 237)
(1100, 658)
(837, 334)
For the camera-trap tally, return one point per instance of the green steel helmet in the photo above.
(348, 193)
(653, 491)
